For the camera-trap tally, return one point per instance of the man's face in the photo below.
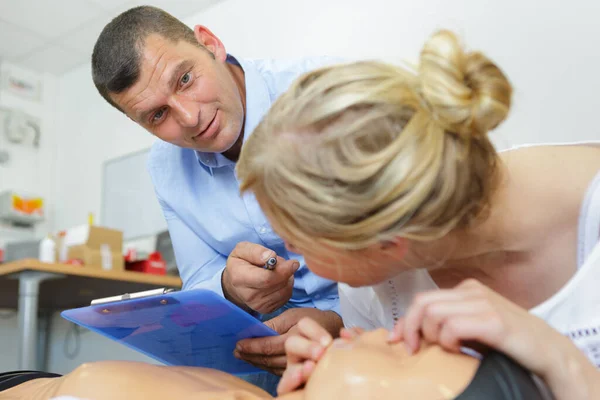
(185, 96)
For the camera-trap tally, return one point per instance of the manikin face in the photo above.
(370, 368)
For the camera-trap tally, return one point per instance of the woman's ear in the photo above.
(397, 246)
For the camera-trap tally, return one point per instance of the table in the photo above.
(30, 286)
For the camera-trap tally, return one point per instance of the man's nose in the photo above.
(186, 112)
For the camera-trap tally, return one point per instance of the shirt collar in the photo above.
(258, 101)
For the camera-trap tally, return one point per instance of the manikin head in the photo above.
(368, 367)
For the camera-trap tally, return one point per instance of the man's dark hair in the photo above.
(117, 52)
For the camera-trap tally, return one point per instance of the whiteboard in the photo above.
(128, 199)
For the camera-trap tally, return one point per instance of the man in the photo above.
(182, 86)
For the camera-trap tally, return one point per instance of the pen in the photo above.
(129, 296)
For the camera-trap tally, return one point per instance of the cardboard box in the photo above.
(94, 246)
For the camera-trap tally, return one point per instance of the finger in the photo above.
(292, 378)
(258, 256)
(251, 276)
(267, 346)
(397, 334)
(351, 333)
(312, 330)
(437, 313)
(270, 305)
(431, 326)
(284, 270)
(281, 323)
(299, 349)
(308, 368)
(263, 361)
(252, 253)
(414, 316)
(482, 329)
(269, 302)
(473, 285)
(274, 371)
(280, 289)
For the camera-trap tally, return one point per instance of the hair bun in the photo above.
(466, 93)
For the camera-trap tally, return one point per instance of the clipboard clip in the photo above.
(131, 296)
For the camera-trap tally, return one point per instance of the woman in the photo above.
(385, 177)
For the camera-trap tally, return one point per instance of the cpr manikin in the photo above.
(364, 368)
(368, 367)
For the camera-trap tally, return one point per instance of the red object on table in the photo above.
(153, 265)
(131, 255)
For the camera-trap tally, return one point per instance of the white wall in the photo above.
(30, 170)
(547, 49)
(90, 132)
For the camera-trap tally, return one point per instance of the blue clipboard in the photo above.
(191, 328)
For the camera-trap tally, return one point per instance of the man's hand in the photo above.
(269, 353)
(247, 284)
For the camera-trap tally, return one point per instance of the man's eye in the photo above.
(185, 79)
(158, 115)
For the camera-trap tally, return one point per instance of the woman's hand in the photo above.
(471, 312)
(303, 349)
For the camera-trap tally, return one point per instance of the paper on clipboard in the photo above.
(189, 328)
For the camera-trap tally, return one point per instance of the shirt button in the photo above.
(263, 230)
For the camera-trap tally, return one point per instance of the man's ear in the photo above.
(211, 42)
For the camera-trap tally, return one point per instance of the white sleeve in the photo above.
(354, 305)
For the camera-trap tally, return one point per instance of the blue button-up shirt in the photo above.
(205, 213)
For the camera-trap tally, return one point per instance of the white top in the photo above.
(574, 310)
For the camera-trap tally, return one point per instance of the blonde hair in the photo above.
(360, 153)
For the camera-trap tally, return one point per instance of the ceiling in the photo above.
(55, 36)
